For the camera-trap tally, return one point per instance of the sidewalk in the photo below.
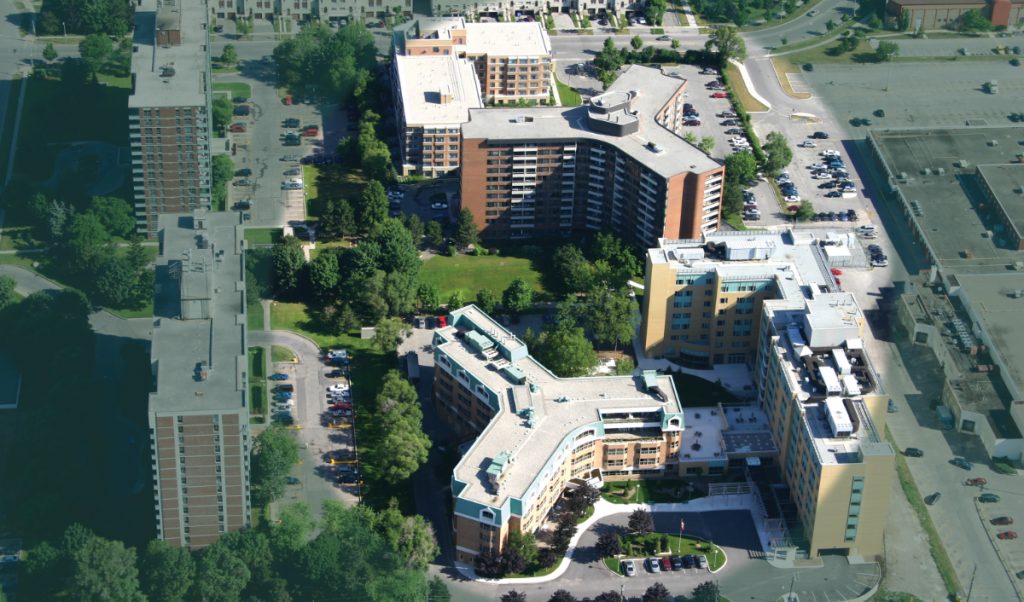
(604, 509)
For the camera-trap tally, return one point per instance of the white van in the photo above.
(867, 231)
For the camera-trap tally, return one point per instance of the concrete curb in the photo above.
(750, 84)
(602, 509)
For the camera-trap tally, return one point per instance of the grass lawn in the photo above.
(938, 551)
(114, 80)
(647, 491)
(281, 354)
(22, 260)
(146, 311)
(262, 236)
(336, 181)
(17, 237)
(740, 90)
(258, 379)
(494, 272)
(233, 88)
(255, 315)
(98, 113)
(782, 66)
(829, 53)
(568, 96)
(310, 174)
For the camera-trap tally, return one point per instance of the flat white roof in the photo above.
(507, 39)
(422, 79)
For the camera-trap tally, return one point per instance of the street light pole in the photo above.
(65, 25)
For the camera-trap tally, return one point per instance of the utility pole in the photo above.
(622, 592)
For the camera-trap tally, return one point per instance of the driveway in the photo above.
(316, 480)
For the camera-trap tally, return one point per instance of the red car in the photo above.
(311, 130)
(238, 127)
(719, 95)
(1002, 520)
(837, 272)
(1007, 535)
(976, 481)
(341, 406)
(666, 563)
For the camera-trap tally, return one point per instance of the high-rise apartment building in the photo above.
(618, 163)
(770, 301)
(169, 122)
(199, 412)
(536, 433)
(433, 95)
(512, 60)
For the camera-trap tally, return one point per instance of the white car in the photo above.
(291, 186)
(879, 263)
(829, 153)
(809, 144)
(817, 166)
(337, 388)
(793, 198)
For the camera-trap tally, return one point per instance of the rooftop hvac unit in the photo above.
(963, 163)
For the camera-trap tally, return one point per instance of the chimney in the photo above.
(445, 94)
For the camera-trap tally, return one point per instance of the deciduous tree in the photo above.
(609, 544)
(777, 152)
(486, 300)
(389, 333)
(657, 593)
(274, 453)
(640, 521)
(289, 262)
(434, 233)
(727, 43)
(465, 229)
(518, 297)
(220, 575)
(740, 167)
(229, 56)
(95, 49)
(338, 220)
(167, 571)
(103, 571)
(566, 351)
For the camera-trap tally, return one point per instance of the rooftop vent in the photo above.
(654, 148)
(167, 71)
(522, 119)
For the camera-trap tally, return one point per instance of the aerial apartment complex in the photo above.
(770, 301)
(169, 121)
(619, 164)
(537, 433)
(512, 60)
(199, 411)
(967, 306)
(433, 95)
(340, 11)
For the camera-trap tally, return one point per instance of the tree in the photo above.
(830, 25)
(609, 596)
(104, 570)
(115, 214)
(414, 225)
(167, 571)
(253, 548)
(610, 316)
(222, 113)
(657, 593)
(434, 233)
(706, 592)
(562, 596)
(274, 453)
(566, 351)
(397, 251)
(636, 42)
(87, 244)
(655, 11)
(437, 591)
(49, 53)
(95, 49)
(220, 575)
(624, 366)
(7, 294)
(676, 44)
(512, 561)
(324, 277)
(777, 152)
(727, 43)
(706, 145)
(572, 271)
(456, 300)
(401, 446)
(124, 281)
(223, 171)
(229, 56)
(525, 545)
(337, 221)
(518, 297)
(389, 333)
(373, 209)
(740, 167)
(486, 300)
(288, 261)
(465, 229)
(609, 544)
(411, 537)
(486, 564)
(428, 296)
(330, 64)
(291, 532)
(805, 211)
(886, 51)
(640, 521)
(513, 596)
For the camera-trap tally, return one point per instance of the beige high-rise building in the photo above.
(199, 412)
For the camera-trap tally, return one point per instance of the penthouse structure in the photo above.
(169, 123)
(512, 60)
(966, 301)
(617, 164)
(433, 95)
(199, 411)
(536, 433)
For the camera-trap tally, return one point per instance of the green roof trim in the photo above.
(479, 341)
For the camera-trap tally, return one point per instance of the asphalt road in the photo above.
(799, 29)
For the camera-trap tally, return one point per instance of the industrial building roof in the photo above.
(534, 418)
(199, 335)
(166, 75)
(1006, 182)
(437, 90)
(997, 302)
(656, 147)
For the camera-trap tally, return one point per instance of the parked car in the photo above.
(688, 561)
(692, 122)
(976, 481)
(293, 480)
(913, 452)
(734, 131)
(291, 122)
(1007, 535)
(653, 565)
(931, 499)
(719, 95)
(1002, 520)
(283, 386)
(290, 158)
(666, 564)
(240, 99)
(241, 111)
(962, 463)
(677, 563)
(337, 388)
(731, 122)
(701, 561)
(237, 127)
(241, 183)
(988, 498)
(629, 568)
(245, 172)
(809, 144)
(664, 38)
(820, 135)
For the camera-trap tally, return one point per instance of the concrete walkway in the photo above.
(745, 75)
(604, 509)
(265, 306)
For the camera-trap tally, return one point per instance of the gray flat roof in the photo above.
(1002, 316)
(1005, 181)
(187, 87)
(424, 80)
(557, 124)
(507, 39)
(946, 198)
(214, 268)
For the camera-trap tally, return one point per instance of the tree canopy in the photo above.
(326, 63)
(727, 43)
(274, 453)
